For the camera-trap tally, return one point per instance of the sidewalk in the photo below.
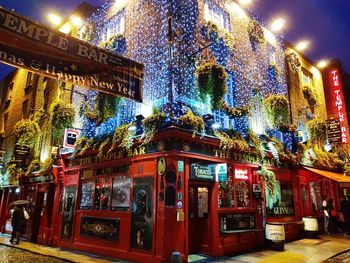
(66, 255)
(304, 250)
(300, 251)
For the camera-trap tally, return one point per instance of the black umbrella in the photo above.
(19, 202)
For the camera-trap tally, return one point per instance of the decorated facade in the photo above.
(210, 156)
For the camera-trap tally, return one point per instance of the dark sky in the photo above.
(325, 22)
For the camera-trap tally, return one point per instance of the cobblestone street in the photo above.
(12, 254)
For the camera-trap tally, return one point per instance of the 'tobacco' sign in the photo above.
(339, 104)
(27, 44)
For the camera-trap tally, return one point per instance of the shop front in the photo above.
(174, 194)
(315, 186)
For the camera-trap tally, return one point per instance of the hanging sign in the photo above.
(334, 131)
(241, 173)
(221, 172)
(339, 104)
(70, 137)
(202, 171)
(28, 44)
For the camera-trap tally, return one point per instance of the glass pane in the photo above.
(87, 191)
(243, 193)
(103, 194)
(230, 222)
(225, 194)
(121, 193)
(203, 198)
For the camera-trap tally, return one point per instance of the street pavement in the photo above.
(327, 249)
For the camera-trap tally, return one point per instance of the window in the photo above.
(25, 109)
(29, 79)
(216, 15)
(307, 78)
(10, 90)
(46, 98)
(226, 198)
(101, 191)
(280, 203)
(6, 117)
(115, 26)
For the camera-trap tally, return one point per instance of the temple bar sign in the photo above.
(35, 47)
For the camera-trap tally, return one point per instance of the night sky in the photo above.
(325, 23)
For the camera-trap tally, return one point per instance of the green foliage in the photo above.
(152, 124)
(27, 132)
(83, 144)
(196, 123)
(212, 82)
(106, 106)
(33, 166)
(326, 160)
(232, 140)
(276, 110)
(310, 94)
(256, 32)
(46, 167)
(122, 137)
(13, 174)
(254, 140)
(39, 114)
(269, 179)
(61, 117)
(211, 28)
(235, 112)
(317, 130)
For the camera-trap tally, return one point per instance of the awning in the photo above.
(340, 178)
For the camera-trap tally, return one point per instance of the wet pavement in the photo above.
(343, 257)
(11, 254)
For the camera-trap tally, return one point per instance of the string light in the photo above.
(170, 60)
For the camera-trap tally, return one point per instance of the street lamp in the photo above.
(302, 45)
(278, 24)
(322, 64)
(54, 19)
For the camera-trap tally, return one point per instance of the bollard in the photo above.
(176, 257)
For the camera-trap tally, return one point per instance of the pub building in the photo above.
(177, 193)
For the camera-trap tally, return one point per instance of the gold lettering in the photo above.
(142, 150)
(10, 22)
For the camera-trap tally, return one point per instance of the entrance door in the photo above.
(38, 208)
(199, 226)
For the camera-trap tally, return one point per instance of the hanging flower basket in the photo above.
(61, 117)
(316, 129)
(256, 32)
(212, 82)
(235, 112)
(294, 62)
(276, 110)
(26, 132)
(191, 121)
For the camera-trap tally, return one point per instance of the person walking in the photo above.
(325, 209)
(17, 223)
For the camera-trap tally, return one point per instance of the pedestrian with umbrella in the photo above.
(18, 219)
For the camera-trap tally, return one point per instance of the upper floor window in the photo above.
(46, 98)
(10, 90)
(6, 117)
(307, 77)
(30, 77)
(25, 109)
(115, 26)
(216, 15)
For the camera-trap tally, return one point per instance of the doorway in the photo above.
(199, 221)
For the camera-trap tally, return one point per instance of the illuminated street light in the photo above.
(65, 28)
(76, 20)
(54, 19)
(322, 64)
(302, 45)
(278, 24)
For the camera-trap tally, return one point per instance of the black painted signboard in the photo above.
(103, 228)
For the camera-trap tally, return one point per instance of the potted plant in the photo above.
(61, 117)
(276, 110)
(26, 132)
